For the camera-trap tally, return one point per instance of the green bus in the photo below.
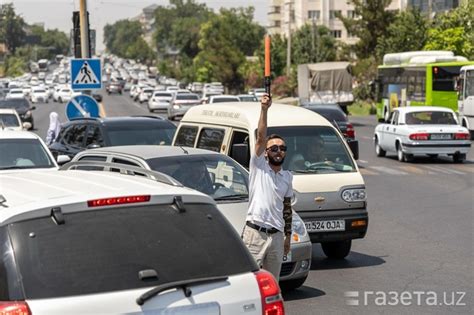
(418, 78)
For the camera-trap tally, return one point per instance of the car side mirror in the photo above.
(32, 107)
(240, 153)
(354, 146)
(63, 159)
(93, 146)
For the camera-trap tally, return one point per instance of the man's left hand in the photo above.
(286, 246)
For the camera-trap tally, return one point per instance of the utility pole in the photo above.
(84, 29)
(288, 48)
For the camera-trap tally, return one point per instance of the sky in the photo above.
(58, 13)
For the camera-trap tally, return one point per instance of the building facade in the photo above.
(285, 16)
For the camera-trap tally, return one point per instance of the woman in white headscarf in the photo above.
(54, 127)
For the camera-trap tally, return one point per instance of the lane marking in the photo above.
(388, 170)
(102, 110)
(443, 170)
(464, 167)
(363, 161)
(412, 169)
(365, 171)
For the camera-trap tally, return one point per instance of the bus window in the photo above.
(444, 78)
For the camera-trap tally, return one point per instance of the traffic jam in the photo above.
(123, 190)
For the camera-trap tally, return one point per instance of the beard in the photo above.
(275, 162)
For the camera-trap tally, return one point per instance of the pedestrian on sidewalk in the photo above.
(267, 232)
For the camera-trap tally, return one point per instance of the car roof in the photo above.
(33, 190)
(150, 151)
(245, 114)
(410, 109)
(11, 134)
(8, 111)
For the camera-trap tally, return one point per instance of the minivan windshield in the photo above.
(212, 174)
(23, 154)
(314, 150)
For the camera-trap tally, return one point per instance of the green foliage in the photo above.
(370, 25)
(14, 66)
(11, 27)
(454, 31)
(124, 39)
(51, 43)
(364, 72)
(312, 44)
(408, 32)
(252, 73)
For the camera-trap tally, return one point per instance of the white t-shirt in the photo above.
(267, 190)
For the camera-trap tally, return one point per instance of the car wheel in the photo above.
(378, 150)
(459, 157)
(337, 250)
(403, 157)
(60, 100)
(293, 284)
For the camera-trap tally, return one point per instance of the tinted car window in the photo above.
(211, 139)
(159, 133)
(23, 153)
(14, 103)
(113, 258)
(186, 136)
(224, 99)
(9, 120)
(329, 113)
(94, 136)
(430, 117)
(187, 97)
(78, 134)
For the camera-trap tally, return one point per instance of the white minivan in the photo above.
(330, 193)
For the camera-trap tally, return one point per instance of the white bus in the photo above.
(43, 65)
(466, 98)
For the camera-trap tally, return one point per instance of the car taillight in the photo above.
(419, 136)
(462, 136)
(117, 201)
(350, 132)
(272, 302)
(14, 308)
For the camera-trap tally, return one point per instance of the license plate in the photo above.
(322, 226)
(440, 136)
(287, 257)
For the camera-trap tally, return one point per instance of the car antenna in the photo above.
(184, 150)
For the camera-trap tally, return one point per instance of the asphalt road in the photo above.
(417, 257)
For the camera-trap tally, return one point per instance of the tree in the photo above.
(312, 44)
(454, 31)
(370, 24)
(11, 27)
(408, 32)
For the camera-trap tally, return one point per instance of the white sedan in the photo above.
(422, 130)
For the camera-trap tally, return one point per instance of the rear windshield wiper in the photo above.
(232, 197)
(183, 284)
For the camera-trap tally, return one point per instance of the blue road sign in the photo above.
(86, 74)
(82, 106)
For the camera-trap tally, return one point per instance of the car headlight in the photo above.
(297, 225)
(176, 106)
(354, 195)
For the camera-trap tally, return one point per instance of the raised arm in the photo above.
(260, 144)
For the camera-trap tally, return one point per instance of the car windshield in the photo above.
(9, 120)
(23, 154)
(314, 150)
(212, 174)
(225, 99)
(161, 133)
(162, 95)
(249, 98)
(14, 103)
(177, 245)
(430, 118)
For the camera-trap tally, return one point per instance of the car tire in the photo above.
(402, 156)
(337, 250)
(289, 285)
(378, 150)
(459, 157)
(60, 100)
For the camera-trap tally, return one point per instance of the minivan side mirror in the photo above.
(240, 153)
(354, 146)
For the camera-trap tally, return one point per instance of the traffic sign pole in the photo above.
(83, 18)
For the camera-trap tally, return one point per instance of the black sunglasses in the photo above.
(275, 148)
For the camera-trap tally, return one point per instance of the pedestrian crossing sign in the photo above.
(86, 74)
